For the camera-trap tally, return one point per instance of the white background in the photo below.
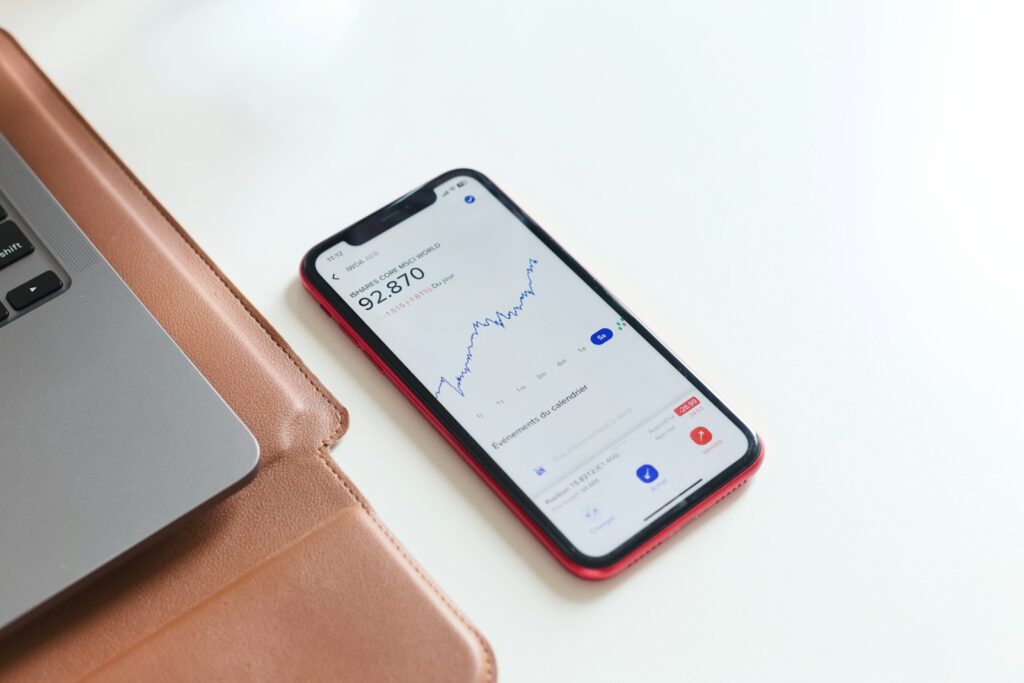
(817, 204)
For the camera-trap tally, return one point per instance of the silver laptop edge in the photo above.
(108, 432)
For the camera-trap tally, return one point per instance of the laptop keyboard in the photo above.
(13, 243)
(32, 282)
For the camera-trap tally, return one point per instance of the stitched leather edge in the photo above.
(223, 590)
(340, 413)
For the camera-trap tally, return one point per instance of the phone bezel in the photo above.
(408, 205)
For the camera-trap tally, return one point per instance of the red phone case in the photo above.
(591, 573)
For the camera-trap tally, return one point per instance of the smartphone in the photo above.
(596, 435)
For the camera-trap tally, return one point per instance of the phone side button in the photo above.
(343, 328)
(376, 363)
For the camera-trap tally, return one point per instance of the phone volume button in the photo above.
(343, 328)
(376, 363)
(326, 311)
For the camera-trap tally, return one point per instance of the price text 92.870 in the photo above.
(395, 286)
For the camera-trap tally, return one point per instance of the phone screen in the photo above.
(585, 415)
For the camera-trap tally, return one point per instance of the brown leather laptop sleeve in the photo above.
(292, 578)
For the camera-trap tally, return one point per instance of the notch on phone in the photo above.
(391, 215)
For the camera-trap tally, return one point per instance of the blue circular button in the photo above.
(647, 473)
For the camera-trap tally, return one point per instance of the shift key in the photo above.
(13, 244)
(34, 290)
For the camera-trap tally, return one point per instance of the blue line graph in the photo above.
(499, 319)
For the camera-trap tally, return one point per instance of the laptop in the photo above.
(108, 433)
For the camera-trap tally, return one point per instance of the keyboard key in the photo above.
(35, 289)
(13, 244)
(3, 313)
(3, 213)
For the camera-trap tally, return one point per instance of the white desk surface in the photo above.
(818, 204)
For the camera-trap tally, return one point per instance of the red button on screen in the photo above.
(701, 436)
